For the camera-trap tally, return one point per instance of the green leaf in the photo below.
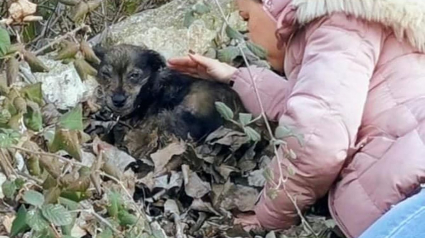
(256, 49)
(73, 120)
(282, 132)
(4, 41)
(107, 233)
(33, 118)
(4, 116)
(115, 201)
(272, 193)
(34, 198)
(291, 170)
(234, 34)
(56, 214)
(245, 118)
(126, 219)
(268, 174)
(8, 137)
(19, 182)
(19, 224)
(252, 134)
(224, 110)
(33, 93)
(189, 18)
(36, 221)
(9, 189)
(201, 8)
(71, 205)
(292, 154)
(228, 54)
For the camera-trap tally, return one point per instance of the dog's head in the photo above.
(125, 72)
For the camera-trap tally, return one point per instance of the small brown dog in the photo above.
(140, 89)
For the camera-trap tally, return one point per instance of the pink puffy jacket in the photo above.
(355, 89)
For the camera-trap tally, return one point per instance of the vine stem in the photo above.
(271, 134)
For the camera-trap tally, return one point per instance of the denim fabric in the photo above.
(404, 220)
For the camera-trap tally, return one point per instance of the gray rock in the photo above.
(161, 29)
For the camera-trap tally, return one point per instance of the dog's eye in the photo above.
(134, 77)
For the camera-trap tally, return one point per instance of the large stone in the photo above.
(161, 29)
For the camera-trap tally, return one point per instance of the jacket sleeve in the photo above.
(325, 106)
(271, 88)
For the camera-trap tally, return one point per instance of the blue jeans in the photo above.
(404, 220)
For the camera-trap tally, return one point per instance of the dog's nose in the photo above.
(119, 100)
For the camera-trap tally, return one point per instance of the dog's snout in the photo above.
(119, 100)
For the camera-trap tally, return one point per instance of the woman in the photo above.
(355, 89)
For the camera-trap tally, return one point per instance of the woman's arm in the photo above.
(272, 90)
(325, 106)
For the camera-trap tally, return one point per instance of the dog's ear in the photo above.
(154, 60)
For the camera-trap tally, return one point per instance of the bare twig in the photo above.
(48, 154)
(5, 166)
(59, 39)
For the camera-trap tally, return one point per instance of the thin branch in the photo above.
(48, 154)
(57, 40)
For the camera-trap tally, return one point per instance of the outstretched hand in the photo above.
(203, 67)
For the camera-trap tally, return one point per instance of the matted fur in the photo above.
(405, 17)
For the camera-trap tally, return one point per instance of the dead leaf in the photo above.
(163, 156)
(171, 207)
(7, 222)
(21, 8)
(228, 137)
(256, 178)
(112, 155)
(241, 197)
(199, 205)
(194, 186)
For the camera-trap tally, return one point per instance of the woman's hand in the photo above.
(203, 67)
(247, 221)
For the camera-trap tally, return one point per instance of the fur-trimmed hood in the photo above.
(405, 17)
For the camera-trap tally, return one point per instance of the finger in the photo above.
(202, 60)
(182, 61)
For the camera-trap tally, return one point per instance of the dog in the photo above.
(141, 90)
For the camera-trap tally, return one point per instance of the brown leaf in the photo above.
(194, 186)
(228, 137)
(68, 141)
(80, 10)
(112, 170)
(88, 53)
(12, 70)
(112, 155)
(94, 4)
(20, 104)
(70, 2)
(35, 64)
(84, 69)
(52, 195)
(21, 8)
(163, 156)
(69, 50)
(33, 165)
(237, 196)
